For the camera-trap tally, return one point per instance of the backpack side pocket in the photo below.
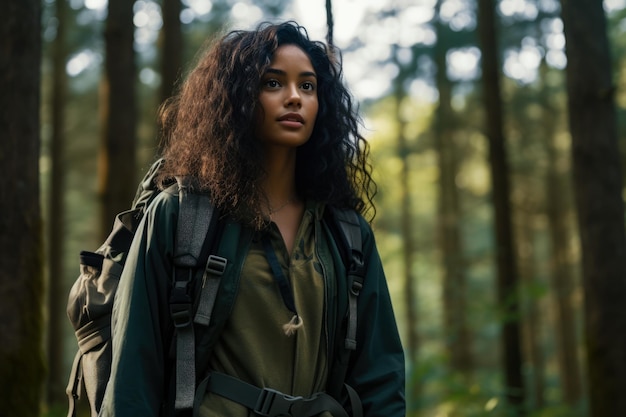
(89, 308)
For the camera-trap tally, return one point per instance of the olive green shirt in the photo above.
(253, 345)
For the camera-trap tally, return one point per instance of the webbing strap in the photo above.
(194, 219)
(267, 402)
(355, 401)
(74, 385)
(348, 222)
(185, 367)
(283, 283)
(213, 272)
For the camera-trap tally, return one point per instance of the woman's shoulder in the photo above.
(174, 205)
(350, 216)
(167, 199)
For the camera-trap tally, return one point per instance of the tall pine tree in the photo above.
(21, 264)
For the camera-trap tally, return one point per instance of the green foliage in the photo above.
(445, 393)
(56, 411)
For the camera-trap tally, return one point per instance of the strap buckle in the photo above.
(356, 272)
(180, 305)
(216, 265)
(356, 284)
(272, 403)
(181, 314)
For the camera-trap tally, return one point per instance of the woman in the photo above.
(264, 125)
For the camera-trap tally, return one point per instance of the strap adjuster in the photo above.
(356, 272)
(180, 305)
(181, 314)
(356, 285)
(216, 265)
(275, 403)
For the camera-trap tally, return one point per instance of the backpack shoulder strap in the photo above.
(346, 229)
(193, 235)
(347, 222)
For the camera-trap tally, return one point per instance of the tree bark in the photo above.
(330, 24)
(563, 279)
(457, 336)
(171, 47)
(117, 163)
(535, 322)
(408, 246)
(406, 226)
(507, 274)
(600, 207)
(21, 264)
(56, 215)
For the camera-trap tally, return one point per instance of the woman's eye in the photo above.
(272, 83)
(309, 86)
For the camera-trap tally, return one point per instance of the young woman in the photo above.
(264, 125)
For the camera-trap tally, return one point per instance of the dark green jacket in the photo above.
(142, 329)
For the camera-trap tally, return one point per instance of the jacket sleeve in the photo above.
(377, 369)
(140, 322)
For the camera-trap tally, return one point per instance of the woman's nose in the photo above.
(293, 96)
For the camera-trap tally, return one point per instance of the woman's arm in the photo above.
(140, 323)
(377, 369)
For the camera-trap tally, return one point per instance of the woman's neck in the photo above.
(285, 210)
(280, 184)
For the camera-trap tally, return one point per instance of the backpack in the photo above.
(90, 301)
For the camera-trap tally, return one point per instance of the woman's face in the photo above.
(288, 99)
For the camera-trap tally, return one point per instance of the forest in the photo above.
(498, 143)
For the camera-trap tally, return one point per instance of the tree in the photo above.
(526, 125)
(507, 275)
(21, 263)
(171, 47)
(56, 213)
(598, 195)
(171, 51)
(406, 220)
(329, 22)
(457, 338)
(534, 322)
(563, 279)
(116, 167)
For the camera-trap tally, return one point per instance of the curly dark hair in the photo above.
(208, 127)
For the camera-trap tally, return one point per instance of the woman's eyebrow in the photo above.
(281, 72)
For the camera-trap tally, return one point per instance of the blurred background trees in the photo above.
(22, 289)
(508, 272)
(599, 185)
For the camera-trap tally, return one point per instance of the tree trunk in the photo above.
(507, 275)
(56, 215)
(171, 47)
(21, 264)
(117, 163)
(535, 322)
(330, 24)
(598, 194)
(406, 226)
(408, 247)
(563, 279)
(457, 337)
(563, 283)
(171, 40)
